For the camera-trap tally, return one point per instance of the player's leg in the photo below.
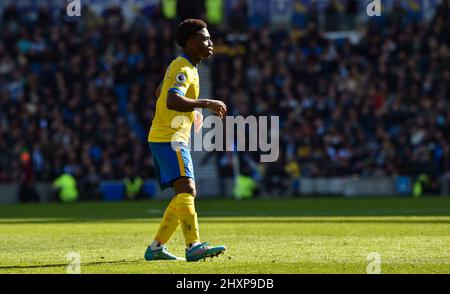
(169, 222)
(185, 207)
(168, 226)
(186, 192)
(177, 168)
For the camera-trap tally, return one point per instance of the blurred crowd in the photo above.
(373, 105)
(77, 96)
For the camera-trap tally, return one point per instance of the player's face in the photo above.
(204, 44)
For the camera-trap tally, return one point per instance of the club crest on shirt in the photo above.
(180, 78)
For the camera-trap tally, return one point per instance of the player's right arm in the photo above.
(177, 102)
(176, 99)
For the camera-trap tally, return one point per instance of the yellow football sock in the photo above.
(169, 223)
(188, 217)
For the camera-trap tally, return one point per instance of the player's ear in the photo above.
(189, 43)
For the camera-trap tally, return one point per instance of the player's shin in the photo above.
(169, 224)
(188, 218)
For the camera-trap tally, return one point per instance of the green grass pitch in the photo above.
(322, 235)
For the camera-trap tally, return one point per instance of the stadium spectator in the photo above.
(245, 186)
(333, 15)
(133, 185)
(351, 12)
(27, 190)
(191, 9)
(66, 188)
(237, 18)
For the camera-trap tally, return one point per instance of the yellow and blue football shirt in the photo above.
(181, 77)
(173, 161)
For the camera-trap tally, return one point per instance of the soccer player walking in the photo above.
(169, 136)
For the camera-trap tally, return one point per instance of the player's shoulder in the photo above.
(182, 70)
(181, 63)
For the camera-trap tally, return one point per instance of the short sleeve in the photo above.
(180, 81)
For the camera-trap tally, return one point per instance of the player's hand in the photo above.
(198, 121)
(218, 107)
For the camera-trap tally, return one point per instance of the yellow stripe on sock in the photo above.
(180, 162)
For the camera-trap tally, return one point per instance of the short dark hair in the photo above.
(187, 28)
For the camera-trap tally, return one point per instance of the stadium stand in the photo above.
(78, 96)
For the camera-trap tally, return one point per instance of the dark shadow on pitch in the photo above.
(66, 264)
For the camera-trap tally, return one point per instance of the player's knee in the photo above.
(185, 185)
(192, 191)
(187, 189)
